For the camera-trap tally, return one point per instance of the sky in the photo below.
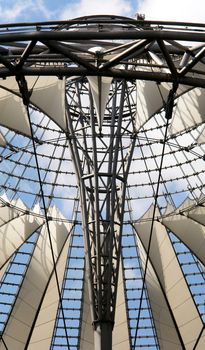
(42, 10)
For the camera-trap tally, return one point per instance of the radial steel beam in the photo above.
(109, 35)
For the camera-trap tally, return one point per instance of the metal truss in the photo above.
(65, 49)
(103, 144)
(102, 165)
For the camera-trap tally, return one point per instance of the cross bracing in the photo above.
(102, 184)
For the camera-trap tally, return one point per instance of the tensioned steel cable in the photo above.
(3, 341)
(26, 97)
(168, 115)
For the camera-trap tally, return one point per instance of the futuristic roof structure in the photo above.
(102, 216)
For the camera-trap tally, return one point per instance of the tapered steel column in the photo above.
(102, 160)
(103, 336)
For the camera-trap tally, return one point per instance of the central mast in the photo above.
(102, 143)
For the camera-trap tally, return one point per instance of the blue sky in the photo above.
(37, 10)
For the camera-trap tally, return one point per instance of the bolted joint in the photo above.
(23, 89)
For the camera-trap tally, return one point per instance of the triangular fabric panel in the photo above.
(164, 261)
(47, 94)
(10, 210)
(39, 271)
(120, 331)
(151, 98)
(163, 320)
(3, 269)
(87, 333)
(100, 88)
(197, 214)
(189, 111)
(8, 213)
(14, 233)
(188, 203)
(190, 232)
(13, 114)
(42, 333)
(2, 140)
(201, 342)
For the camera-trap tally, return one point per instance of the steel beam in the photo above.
(107, 35)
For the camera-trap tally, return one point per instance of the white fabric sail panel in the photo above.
(9, 210)
(100, 88)
(189, 111)
(4, 268)
(197, 214)
(34, 285)
(9, 84)
(48, 94)
(42, 333)
(151, 98)
(163, 319)
(87, 332)
(13, 114)
(169, 209)
(201, 344)
(14, 233)
(168, 271)
(19, 204)
(188, 203)
(189, 232)
(7, 214)
(2, 140)
(120, 339)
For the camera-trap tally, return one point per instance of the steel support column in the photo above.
(103, 336)
(102, 177)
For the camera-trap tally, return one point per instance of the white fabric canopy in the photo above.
(163, 318)
(100, 88)
(151, 97)
(42, 333)
(47, 94)
(38, 287)
(13, 113)
(86, 336)
(189, 231)
(189, 111)
(14, 232)
(2, 140)
(168, 271)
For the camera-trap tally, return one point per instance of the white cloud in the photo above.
(91, 7)
(175, 10)
(12, 12)
(20, 10)
(39, 6)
